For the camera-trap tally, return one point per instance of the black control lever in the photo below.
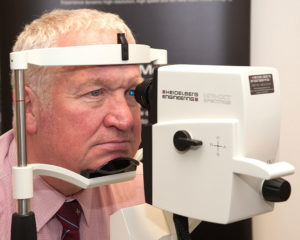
(183, 141)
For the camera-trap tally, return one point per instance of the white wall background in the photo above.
(275, 41)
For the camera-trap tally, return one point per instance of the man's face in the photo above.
(92, 117)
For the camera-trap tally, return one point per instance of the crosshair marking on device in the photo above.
(218, 145)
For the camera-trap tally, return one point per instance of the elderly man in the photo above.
(77, 118)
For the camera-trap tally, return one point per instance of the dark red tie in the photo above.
(69, 216)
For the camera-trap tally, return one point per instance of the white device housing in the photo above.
(144, 222)
(141, 222)
(235, 112)
(104, 54)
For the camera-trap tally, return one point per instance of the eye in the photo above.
(130, 97)
(96, 93)
(131, 92)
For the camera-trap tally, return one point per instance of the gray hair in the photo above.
(45, 31)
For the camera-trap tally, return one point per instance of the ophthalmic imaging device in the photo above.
(209, 147)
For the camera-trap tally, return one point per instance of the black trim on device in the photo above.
(147, 96)
(152, 98)
(147, 161)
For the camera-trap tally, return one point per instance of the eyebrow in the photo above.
(139, 79)
(89, 83)
(103, 82)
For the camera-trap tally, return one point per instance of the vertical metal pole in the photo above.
(23, 204)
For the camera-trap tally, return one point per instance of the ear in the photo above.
(31, 109)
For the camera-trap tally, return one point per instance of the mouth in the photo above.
(107, 151)
(115, 145)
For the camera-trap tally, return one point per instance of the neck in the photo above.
(61, 186)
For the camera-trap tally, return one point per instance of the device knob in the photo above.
(183, 141)
(276, 190)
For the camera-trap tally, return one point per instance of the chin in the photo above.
(98, 163)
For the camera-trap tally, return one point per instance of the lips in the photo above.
(106, 151)
(115, 145)
(106, 148)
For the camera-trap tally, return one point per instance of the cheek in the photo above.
(137, 126)
(69, 122)
(82, 125)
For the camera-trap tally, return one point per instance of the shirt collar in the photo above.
(85, 198)
(7, 141)
(46, 201)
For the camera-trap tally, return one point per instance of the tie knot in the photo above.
(69, 215)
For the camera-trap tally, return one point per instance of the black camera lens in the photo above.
(141, 93)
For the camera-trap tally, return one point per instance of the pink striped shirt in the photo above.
(97, 203)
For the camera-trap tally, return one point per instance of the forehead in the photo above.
(79, 74)
(90, 37)
(112, 76)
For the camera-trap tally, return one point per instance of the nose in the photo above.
(119, 114)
